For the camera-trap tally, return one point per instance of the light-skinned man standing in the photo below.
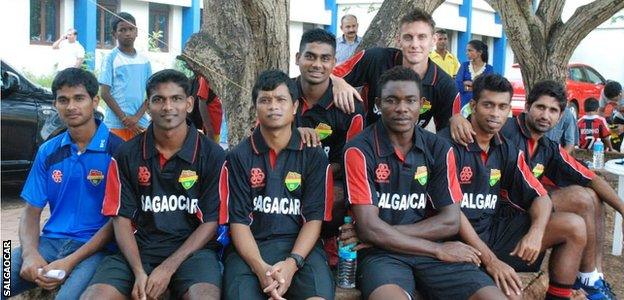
(71, 52)
(349, 41)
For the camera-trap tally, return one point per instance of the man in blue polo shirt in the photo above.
(69, 175)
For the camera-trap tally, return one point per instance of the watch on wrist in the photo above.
(299, 261)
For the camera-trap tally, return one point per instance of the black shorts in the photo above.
(508, 227)
(435, 279)
(201, 267)
(313, 280)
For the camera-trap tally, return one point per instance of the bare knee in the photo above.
(101, 291)
(388, 291)
(579, 200)
(574, 229)
(202, 290)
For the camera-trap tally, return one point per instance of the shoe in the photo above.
(601, 290)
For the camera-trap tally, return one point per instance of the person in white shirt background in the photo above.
(71, 51)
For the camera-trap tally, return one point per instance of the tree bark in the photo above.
(384, 29)
(541, 41)
(238, 40)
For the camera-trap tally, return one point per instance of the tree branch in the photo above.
(549, 12)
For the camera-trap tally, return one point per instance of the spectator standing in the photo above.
(565, 132)
(71, 52)
(349, 41)
(122, 81)
(476, 65)
(592, 126)
(441, 56)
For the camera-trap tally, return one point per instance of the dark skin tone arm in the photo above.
(434, 228)
(124, 235)
(372, 230)
(529, 247)
(606, 193)
(158, 280)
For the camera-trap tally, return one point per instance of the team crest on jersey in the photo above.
(144, 176)
(57, 176)
(323, 130)
(465, 175)
(257, 178)
(426, 105)
(538, 170)
(292, 181)
(187, 178)
(382, 173)
(421, 175)
(95, 177)
(495, 176)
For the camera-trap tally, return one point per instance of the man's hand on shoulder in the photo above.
(309, 136)
(461, 130)
(344, 95)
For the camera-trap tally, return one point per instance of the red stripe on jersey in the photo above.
(574, 164)
(224, 195)
(199, 214)
(112, 194)
(531, 147)
(451, 177)
(356, 126)
(456, 105)
(329, 193)
(528, 175)
(272, 158)
(357, 177)
(346, 67)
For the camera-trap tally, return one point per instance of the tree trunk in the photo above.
(238, 40)
(384, 29)
(541, 41)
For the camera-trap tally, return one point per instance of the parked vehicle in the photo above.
(28, 118)
(582, 82)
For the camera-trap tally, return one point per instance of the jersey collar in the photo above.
(188, 152)
(384, 146)
(98, 141)
(260, 146)
(326, 101)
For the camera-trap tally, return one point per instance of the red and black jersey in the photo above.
(501, 173)
(165, 199)
(403, 187)
(334, 126)
(549, 162)
(275, 194)
(440, 97)
(592, 128)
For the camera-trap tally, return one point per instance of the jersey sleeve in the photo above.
(35, 191)
(236, 202)
(119, 196)
(444, 189)
(359, 177)
(353, 125)
(603, 128)
(521, 186)
(209, 201)
(106, 75)
(448, 103)
(357, 69)
(318, 194)
(564, 170)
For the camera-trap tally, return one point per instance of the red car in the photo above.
(583, 82)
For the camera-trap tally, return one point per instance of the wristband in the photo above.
(299, 260)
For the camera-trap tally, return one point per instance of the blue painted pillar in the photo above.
(331, 5)
(190, 21)
(85, 20)
(465, 10)
(500, 50)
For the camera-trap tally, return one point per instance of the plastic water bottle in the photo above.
(598, 156)
(347, 263)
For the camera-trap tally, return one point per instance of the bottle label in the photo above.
(346, 252)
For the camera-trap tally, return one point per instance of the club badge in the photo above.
(187, 178)
(95, 177)
(323, 130)
(495, 176)
(426, 105)
(538, 170)
(292, 181)
(421, 175)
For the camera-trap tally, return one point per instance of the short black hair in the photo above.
(591, 104)
(122, 17)
(481, 47)
(347, 16)
(612, 89)
(548, 88)
(441, 31)
(317, 35)
(168, 75)
(72, 77)
(269, 80)
(491, 82)
(399, 73)
(418, 15)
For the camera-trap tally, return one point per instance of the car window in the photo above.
(576, 74)
(593, 76)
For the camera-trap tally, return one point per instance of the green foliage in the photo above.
(153, 40)
(44, 80)
(181, 66)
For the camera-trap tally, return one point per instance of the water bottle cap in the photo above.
(348, 219)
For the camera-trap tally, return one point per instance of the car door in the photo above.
(595, 82)
(19, 125)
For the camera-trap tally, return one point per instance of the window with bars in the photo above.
(44, 21)
(159, 27)
(104, 31)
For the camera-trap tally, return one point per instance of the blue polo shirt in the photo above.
(71, 183)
